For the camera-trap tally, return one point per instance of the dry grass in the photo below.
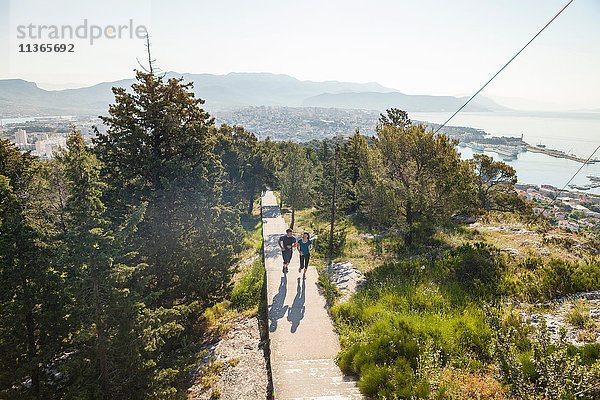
(555, 243)
(578, 314)
(457, 383)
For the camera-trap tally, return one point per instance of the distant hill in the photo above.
(225, 92)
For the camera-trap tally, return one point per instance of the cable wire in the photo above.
(505, 65)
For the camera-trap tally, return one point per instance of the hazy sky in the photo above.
(418, 47)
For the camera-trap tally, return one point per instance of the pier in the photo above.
(560, 154)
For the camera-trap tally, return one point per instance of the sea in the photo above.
(573, 133)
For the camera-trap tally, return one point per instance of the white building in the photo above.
(21, 137)
(46, 148)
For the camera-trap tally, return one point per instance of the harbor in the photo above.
(511, 149)
(595, 183)
(559, 154)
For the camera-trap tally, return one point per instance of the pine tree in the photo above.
(88, 240)
(423, 169)
(248, 164)
(33, 304)
(296, 180)
(159, 149)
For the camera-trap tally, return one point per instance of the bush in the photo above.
(555, 278)
(578, 314)
(549, 371)
(386, 361)
(246, 294)
(321, 243)
(477, 268)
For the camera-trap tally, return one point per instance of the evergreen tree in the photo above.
(296, 180)
(33, 304)
(373, 197)
(159, 149)
(423, 169)
(88, 248)
(248, 164)
(334, 186)
(495, 183)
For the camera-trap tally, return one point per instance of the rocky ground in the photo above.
(515, 239)
(235, 366)
(346, 277)
(578, 314)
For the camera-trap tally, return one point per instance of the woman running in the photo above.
(304, 246)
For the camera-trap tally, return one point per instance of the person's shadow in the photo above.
(296, 311)
(277, 309)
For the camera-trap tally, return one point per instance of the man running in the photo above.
(287, 243)
(304, 247)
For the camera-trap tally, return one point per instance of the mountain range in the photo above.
(231, 91)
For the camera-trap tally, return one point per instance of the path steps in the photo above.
(303, 343)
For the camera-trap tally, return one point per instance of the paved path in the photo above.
(303, 344)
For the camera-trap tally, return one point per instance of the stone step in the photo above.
(317, 379)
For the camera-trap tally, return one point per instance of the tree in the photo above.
(159, 149)
(296, 179)
(495, 182)
(248, 164)
(423, 169)
(160, 155)
(88, 241)
(333, 191)
(373, 197)
(33, 305)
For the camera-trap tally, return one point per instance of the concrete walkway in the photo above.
(302, 340)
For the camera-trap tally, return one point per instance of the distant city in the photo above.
(43, 136)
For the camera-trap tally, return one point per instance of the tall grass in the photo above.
(406, 304)
(246, 293)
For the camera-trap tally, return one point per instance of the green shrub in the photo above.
(477, 267)
(330, 291)
(321, 243)
(586, 276)
(578, 314)
(386, 360)
(555, 278)
(590, 353)
(246, 294)
(553, 371)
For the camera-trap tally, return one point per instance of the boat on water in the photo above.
(580, 187)
(594, 178)
(507, 151)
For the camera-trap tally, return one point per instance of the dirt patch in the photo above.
(235, 366)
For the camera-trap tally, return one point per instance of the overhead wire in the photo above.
(504, 66)
(587, 161)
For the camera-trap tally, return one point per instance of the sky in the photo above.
(434, 47)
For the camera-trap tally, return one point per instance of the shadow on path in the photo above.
(277, 309)
(296, 312)
(272, 247)
(270, 212)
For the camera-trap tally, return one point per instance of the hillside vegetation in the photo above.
(449, 309)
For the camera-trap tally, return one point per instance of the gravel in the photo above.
(241, 355)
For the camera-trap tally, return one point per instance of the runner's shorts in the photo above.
(287, 256)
